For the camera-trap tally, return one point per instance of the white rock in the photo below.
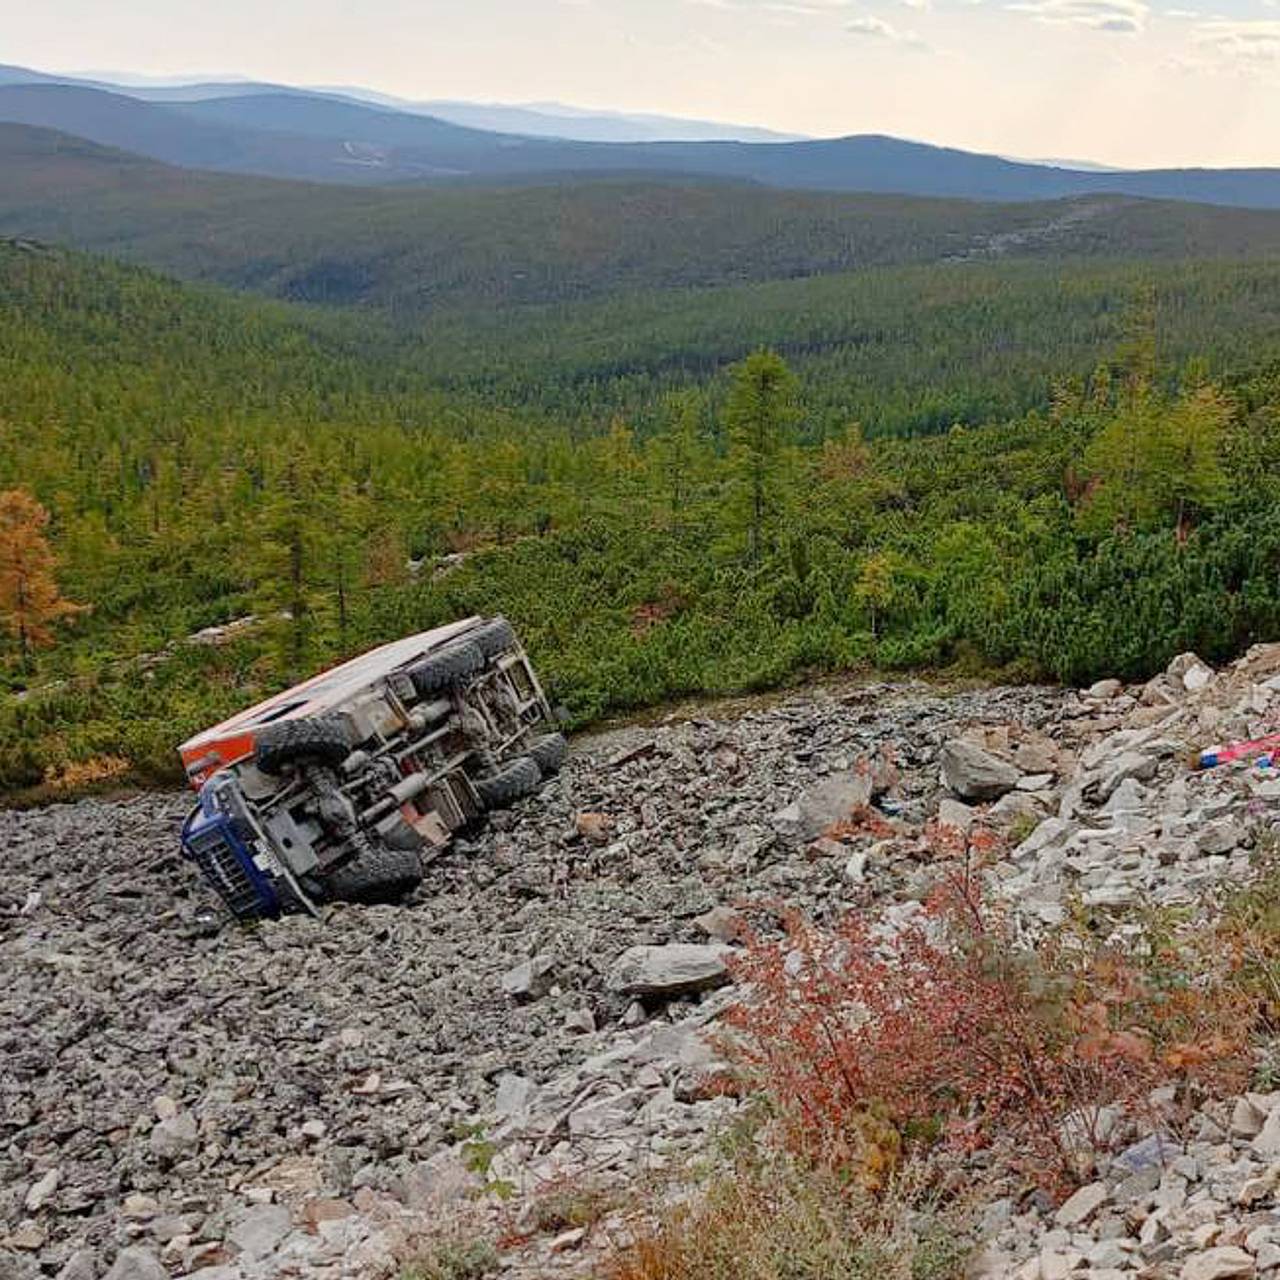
(515, 1095)
(1224, 1263)
(1267, 1143)
(1035, 781)
(1082, 1205)
(567, 1240)
(1058, 1266)
(260, 1230)
(953, 813)
(1197, 678)
(1259, 1188)
(41, 1191)
(1184, 662)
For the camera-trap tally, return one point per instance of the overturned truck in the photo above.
(345, 786)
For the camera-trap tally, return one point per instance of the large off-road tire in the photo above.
(493, 638)
(323, 738)
(379, 875)
(510, 782)
(439, 671)
(549, 750)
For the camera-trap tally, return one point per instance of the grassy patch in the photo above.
(771, 1217)
(455, 1260)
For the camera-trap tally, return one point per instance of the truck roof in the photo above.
(234, 738)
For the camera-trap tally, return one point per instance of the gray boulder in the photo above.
(82, 1265)
(681, 968)
(975, 774)
(951, 813)
(531, 979)
(175, 1138)
(260, 1230)
(515, 1095)
(823, 806)
(1127, 765)
(137, 1264)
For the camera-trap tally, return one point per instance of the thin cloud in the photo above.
(1241, 41)
(875, 28)
(1121, 16)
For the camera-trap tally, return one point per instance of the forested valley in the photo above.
(1056, 472)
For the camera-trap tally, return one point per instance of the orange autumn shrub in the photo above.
(947, 1030)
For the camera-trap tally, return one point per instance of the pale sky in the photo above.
(1126, 82)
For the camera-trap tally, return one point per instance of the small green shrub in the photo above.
(455, 1260)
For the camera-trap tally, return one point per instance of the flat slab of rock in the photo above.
(681, 968)
(260, 1230)
(1082, 1205)
(1225, 1263)
(975, 774)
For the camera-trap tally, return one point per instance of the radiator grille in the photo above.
(229, 867)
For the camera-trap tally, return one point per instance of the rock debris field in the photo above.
(180, 1095)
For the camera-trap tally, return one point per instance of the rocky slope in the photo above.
(181, 1095)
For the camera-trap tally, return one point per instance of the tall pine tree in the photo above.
(760, 410)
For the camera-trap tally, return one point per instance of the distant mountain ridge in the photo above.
(571, 124)
(329, 138)
(414, 250)
(530, 119)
